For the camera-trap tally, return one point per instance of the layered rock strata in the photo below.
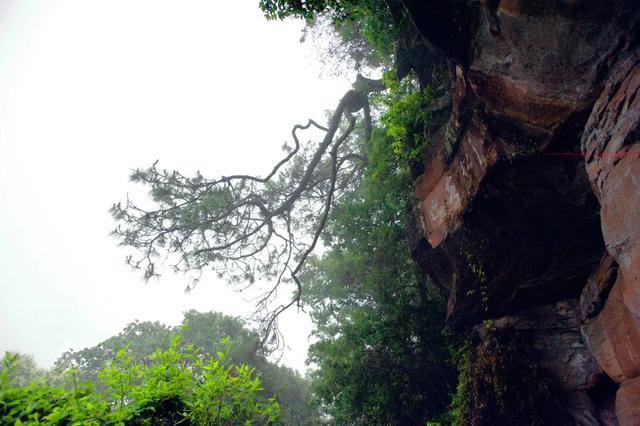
(528, 209)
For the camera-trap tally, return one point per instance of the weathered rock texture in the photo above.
(528, 210)
(611, 141)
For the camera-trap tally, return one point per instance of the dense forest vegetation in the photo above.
(381, 353)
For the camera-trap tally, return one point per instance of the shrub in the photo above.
(176, 386)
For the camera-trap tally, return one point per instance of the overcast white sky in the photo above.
(90, 89)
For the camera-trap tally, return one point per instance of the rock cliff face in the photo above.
(528, 209)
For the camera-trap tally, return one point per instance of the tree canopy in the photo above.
(202, 331)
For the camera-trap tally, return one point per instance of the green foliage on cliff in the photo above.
(381, 355)
(505, 384)
(380, 351)
(457, 412)
(406, 110)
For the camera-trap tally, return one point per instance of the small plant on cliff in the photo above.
(477, 269)
(504, 384)
(459, 349)
(406, 112)
(459, 402)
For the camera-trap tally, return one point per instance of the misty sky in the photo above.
(90, 89)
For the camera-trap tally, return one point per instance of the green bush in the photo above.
(176, 386)
(406, 112)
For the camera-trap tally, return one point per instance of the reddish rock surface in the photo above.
(627, 407)
(612, 146)
(510, 218)
(614, 338)
(595, 292)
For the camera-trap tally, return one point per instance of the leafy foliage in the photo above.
(459, 349)
(360, 35)
(380, 351)
(141, 338)
(176, 386)
(307, 9)
(21, 369)
(203, 334)
(381, 356)
(406, 110)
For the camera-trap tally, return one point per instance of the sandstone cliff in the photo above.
(527, 209)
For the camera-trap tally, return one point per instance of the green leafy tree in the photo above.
(308, 9)
(38, 403)
(380, 351)
(141, 338)
(180, 385)
(177, 385)
(24, 369)
(232, 400)
(360, 37)
(203, 332)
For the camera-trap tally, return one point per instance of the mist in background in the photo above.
(91, 89)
